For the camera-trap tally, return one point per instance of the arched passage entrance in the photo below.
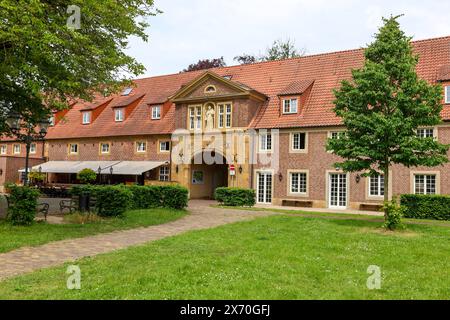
(208, 171)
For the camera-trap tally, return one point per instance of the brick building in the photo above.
(269, 120)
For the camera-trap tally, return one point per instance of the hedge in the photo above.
(235, 197)
(435, 207)
(138, 197)
(22, 204)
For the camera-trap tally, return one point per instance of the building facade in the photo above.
(261, 126)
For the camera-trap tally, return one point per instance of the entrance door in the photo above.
(264, 187)
(338, 190)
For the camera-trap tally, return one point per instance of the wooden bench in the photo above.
(370, 207)
(297, 203)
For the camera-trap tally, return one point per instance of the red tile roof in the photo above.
(296, 87)
(270, 78)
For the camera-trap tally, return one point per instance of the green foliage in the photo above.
(22, 204)
(40, 54)
(394, 213)
(144, 197)
(112, 201)
(36, 177)
(87, 176)
(435, 207)
(235, 197)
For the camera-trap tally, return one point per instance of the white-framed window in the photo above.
(156, 112)
(51, 120)
(265, 141)
(73, 148)
(141, 146)
(104, 148)
(290, 105)
(86, 117)
(228, 115)
(197, 177)
(376, 186)
(164, 173)
(224, 115)
(33, 148)
(221, 116)
(3, 149)
(447, 94)
(298, 182)
(425, 133)
(119, 114)
(127, 91)
(337, 134)
(425, 184)
(164, 146)
(17, 148)
(195, 118)
(299, 141)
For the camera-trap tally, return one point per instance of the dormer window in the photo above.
(119, 114)
(156, 112)
(86, 117)
(447, 94)
(210, 89)
(127, 91)
(290, 105)
(51, 120)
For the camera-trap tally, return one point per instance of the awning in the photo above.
(118, 167)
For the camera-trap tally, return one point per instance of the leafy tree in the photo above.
(383, 107)
(206, 64)
(279, 50)
(87, 176)
(48, 59)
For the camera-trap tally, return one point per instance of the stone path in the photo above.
(202, 216)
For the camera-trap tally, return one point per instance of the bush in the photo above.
(145, 197)
(394, 215)
(87, 176)
(235, 197)
(112, 201)
(36, 177)
(22, 204)
(435, 207)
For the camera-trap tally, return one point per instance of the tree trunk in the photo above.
(386, 189)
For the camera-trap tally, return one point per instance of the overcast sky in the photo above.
(189, 30)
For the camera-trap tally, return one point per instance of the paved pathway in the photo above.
(201, 216)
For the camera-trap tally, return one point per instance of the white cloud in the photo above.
(191, 30)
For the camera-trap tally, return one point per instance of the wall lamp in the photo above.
(280, 176)
(358, 178)
(240, 169)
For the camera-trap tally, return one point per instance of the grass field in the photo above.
(277, 257)
(13, 237)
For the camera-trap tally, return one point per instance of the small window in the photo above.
(221, 115)
(298, 182)
(156, 112)
(86, 117)
(119, 115)
(210, 89)
(104, 148)
(299, 141)
(73, 148)
(3, 149)
(290, 106)
(164, 146)
(51, 120)
(337, 134)
(425, 133)
(195, 118)
(197, 177)
(228, 115)
(376, 186)
(265, 142)
(127, 91)
(424, 184)
(164, 173)
(17, 149)
(33, 148)
(141, 146)
(447, 94)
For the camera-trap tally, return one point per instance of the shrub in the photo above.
(87, 176)
(36, 177)
(22, 204)
(394, 215)
(435, 207)
(145, 197)
(235, 197)
(113, 201)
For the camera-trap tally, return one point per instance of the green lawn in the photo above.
(13, 237)
(277, 257)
